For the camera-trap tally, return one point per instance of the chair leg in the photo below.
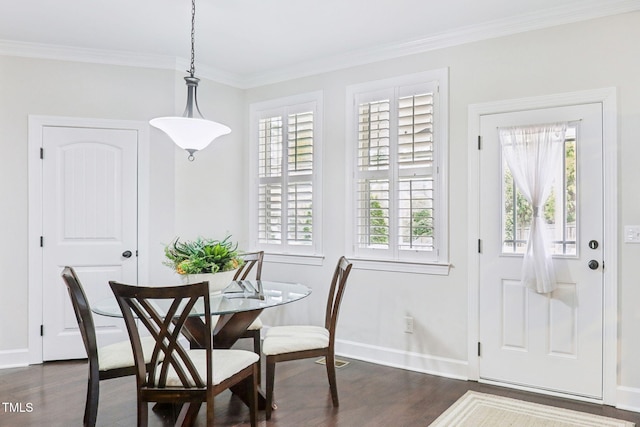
(331, 373)
(210, 405)
(257, 349)
(189, 413)
(252, 382)
(271, 373)
(93, 395)
(143, 413)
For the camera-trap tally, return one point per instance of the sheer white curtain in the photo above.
(533, 154)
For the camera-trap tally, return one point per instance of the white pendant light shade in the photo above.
(190, 134)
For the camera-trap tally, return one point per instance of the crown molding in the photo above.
(109, 57)
(498, 28)
(582, 11)
(79, 54)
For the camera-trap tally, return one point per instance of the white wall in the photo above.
(57, 88)
(589, 55)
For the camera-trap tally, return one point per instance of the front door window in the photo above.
(560, 213)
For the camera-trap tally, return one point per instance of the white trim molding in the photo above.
(628, 399)
(35, 283)
(555, 16)
(607, 97)
(287, 251)
(392, 258)
(411, 361)
(17, 358)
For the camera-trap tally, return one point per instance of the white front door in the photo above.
(550, 341)
(89, 223)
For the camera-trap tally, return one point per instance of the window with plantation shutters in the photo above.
(286, 209)
(398, 138)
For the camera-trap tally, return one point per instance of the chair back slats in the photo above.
(169, 356)
(336, 291)
(251, 260)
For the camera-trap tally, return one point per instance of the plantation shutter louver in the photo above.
(285, 174)
(395, 171)
(415, 170)
(270, 176)
(300, 188)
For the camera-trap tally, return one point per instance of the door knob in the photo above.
(127, 254)
(593, 264)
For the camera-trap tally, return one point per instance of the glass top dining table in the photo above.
(236, 307)
(238, 296)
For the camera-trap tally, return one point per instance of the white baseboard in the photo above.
(14, 358)
(628, 398)
(440, 366)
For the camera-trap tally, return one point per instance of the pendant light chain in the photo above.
(193, 37)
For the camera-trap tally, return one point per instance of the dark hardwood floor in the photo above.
(370, 395)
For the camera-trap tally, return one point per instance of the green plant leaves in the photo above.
(202, 255)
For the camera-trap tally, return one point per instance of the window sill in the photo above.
(300, 259)
(438, 269)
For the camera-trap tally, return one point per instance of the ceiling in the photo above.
(251, 42)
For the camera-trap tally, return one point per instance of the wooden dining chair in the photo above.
(190, 377)
(284, 343)
(252, 260)
(111, 361)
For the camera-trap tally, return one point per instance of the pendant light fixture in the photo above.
(191, 132)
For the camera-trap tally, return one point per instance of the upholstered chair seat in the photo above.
(120, 354)
(256, 325)
(226, 364)
(287, 339)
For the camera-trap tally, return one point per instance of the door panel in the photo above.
(547, 341)
(89, 220)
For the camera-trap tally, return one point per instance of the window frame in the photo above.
(284, 251)
(436, 262)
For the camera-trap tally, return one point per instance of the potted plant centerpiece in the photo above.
(215, 261)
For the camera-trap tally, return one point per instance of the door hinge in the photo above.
(478, 348)
(479, 142)
(41, 330)
(41, 241)
(136, 252)
(479, 246)
(41, 153)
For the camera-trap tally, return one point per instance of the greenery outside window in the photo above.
(397, 132)
(285, 172)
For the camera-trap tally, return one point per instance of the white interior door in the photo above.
(548, 341)
(89, 223)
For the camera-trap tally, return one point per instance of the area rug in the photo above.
(485, 410)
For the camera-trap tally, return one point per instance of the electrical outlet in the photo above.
(408, 324)
(632, 233)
